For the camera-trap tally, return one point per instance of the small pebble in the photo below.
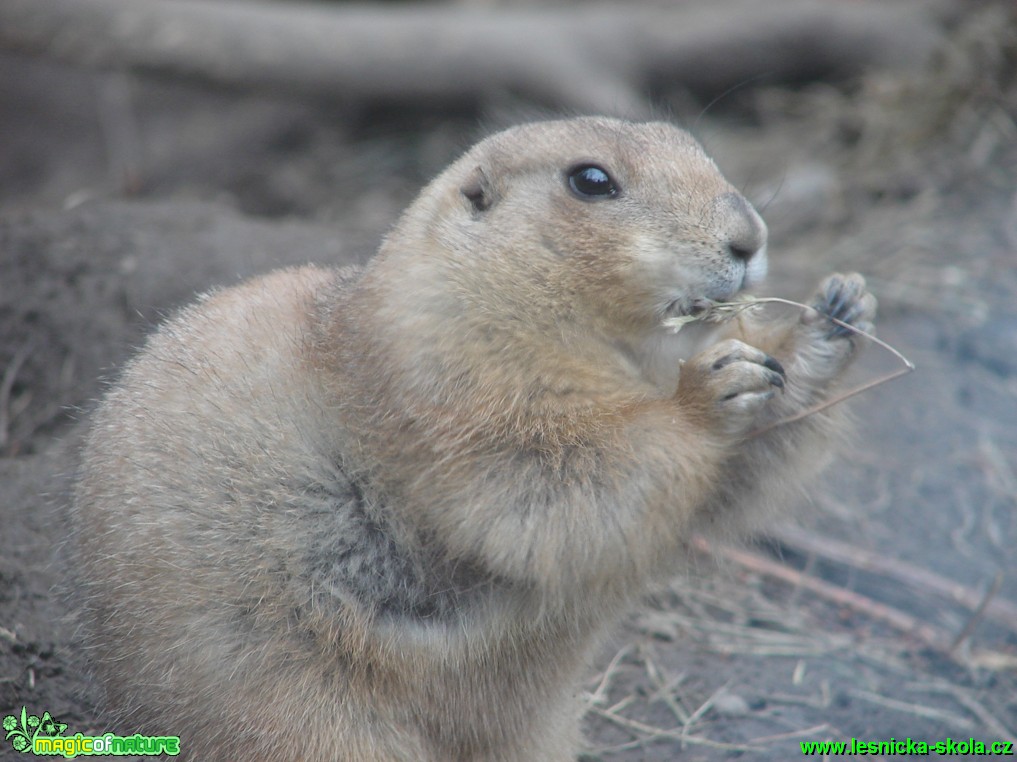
(731, 705)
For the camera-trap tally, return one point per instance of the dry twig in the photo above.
(926, 633)
(1001, 611)
(931, 636)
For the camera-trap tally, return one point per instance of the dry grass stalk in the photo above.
(652, 733)
(986, 717)
(6, 387)
(719, 312)
(665, 690)
(918, 710)
(599, 695)
(978, 613)
(742, 638)
(684, 733)
(815, 730)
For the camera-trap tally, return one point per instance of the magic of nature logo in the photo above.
(44, 736)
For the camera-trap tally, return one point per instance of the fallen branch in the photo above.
(931, 636)
(603, 59)
(999, 610)
(928, 634)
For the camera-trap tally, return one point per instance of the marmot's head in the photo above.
(633, 222)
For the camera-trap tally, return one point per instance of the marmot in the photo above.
(386, 513)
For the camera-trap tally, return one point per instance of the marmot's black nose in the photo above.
(742, 229)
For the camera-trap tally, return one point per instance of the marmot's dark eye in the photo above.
(588, 181)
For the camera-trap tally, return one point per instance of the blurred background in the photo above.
(151, 150)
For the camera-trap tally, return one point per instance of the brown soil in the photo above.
(122, 197)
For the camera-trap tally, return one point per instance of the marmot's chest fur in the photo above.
(385, 514)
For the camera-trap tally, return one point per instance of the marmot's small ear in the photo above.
(478, 190)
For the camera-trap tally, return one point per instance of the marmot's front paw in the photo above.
(731, 381)
(823, 347)
(845, 298)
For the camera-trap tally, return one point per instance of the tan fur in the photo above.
(386, 515)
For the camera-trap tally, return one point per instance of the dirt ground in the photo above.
(121, 197)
